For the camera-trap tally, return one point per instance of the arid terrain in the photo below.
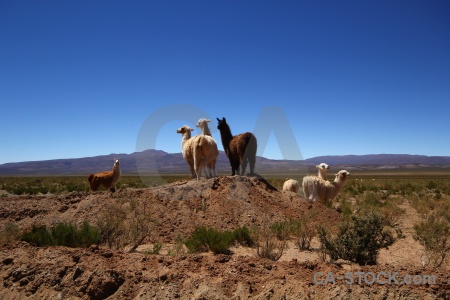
(176, 209)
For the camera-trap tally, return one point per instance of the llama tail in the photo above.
(91, 177)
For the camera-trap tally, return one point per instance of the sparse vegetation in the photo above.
(208, 239)
(178, 248)
(156, 249)
(271, 240)
(63, 234)
(10, 233)
(303, 231)
(434, 234)
(358, 240)
(125, 223)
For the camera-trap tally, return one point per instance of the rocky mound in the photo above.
(224, 202)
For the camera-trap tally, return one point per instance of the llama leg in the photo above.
(94, 185)
(210, 170)
(306, 193)
(191, 166)
(234, 169)
(243, 165)
(251, 161)
(213, 168)
(198, 169)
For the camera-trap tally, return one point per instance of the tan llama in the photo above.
(108, 178)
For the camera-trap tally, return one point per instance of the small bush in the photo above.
(358, 241)
(10, 233)
(111, 224)
(63, 234)
(243, 237)
(208, 239)
(39, 235)
(281, 230)
(268, 244)
(303, 231)
(434, 235)
(204, 239)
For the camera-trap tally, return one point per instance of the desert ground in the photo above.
(174, 210)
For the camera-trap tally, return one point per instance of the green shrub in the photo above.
(358, 241)
(281, 230)
(434, 235)
(39, 235)
(204, 239)
(208, 239)
(63, 234)
(268, 244)
(303, 230)
(243, 237)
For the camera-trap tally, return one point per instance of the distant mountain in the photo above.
(151, 161)
(381, 159)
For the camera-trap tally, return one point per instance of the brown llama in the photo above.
(240, 149)
(108, 178)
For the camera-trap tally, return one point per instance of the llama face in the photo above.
(202, 122)
(343, 174)
(116, 162)
(221, 123)
(323, 166)
(183, 129)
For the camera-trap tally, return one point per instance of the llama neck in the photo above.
(322, 174)
(206, 131)
(338, 185)
(116, 169)
(226, 136)
(186, 137)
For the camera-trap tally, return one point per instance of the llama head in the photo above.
(185, 129)
(116, 162)
(221, 123)
(203, 123)
(323, 167)
(342, 175)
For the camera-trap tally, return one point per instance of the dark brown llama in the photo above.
(240, 149)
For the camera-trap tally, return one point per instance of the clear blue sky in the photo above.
(80, 78)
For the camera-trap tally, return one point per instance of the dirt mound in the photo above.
(225, 202)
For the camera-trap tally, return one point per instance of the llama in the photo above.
(325, 191)
(197, 150)
(203, 125)
(108, 178)
(187, 148)
(291, 185)
(310, 179)
(240, 149)
(323, 168)
(211, 155)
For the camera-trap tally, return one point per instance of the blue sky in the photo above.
(81, 78)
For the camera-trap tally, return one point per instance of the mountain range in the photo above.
(152, 161)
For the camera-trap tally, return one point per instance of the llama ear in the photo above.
(208, 120)
(218, 120)
(223, 119)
